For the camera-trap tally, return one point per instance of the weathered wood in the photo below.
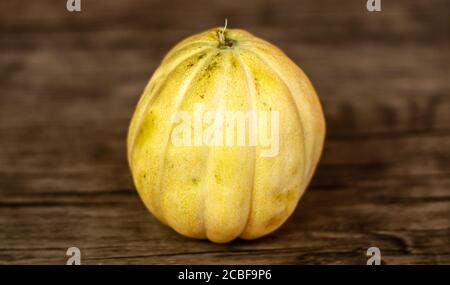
(69, 84)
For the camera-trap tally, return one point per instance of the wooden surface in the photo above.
(70, 81)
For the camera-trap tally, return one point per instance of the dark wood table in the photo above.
(70, 81)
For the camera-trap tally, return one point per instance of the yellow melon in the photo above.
(195, 145)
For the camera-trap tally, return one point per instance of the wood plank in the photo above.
(374, 89)
(323, 229)
(278, 20)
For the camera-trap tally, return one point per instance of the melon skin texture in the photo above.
(220, 192)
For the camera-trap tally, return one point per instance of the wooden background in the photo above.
(69, 83)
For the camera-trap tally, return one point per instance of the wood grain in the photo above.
(70, 81)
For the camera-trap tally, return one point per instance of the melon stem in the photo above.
(223, 41)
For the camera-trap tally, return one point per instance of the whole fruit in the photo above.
(203, 158)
